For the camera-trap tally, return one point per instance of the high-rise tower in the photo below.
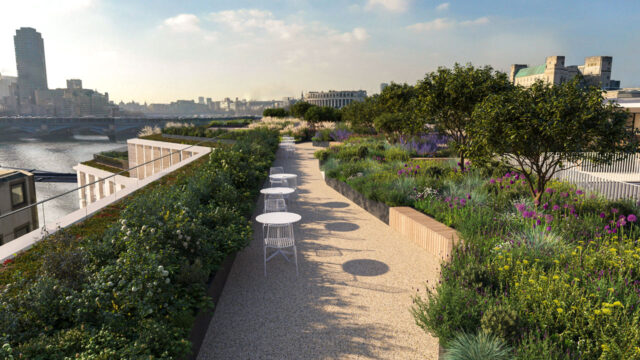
(32, 71)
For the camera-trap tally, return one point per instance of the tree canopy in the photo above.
(447, 98)
(299, 109)
(539, 130)
(277, 112)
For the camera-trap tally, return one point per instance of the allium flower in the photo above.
(564, 194)
(602, 215)
(614, 210)
(549, 191)
(548, 218)
(548, 228)
(545, 206)
(579, 192)
(538, 222)
(632, 218)
(556, 207)
(492, 181)
(521, 207)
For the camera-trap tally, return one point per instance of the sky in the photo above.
(162, 50)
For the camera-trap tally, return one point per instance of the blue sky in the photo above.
(161, 50)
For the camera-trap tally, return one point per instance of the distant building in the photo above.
(17, 191)
(335, 99)
(8, 94)
(201, 100)
(630, 100)
(32, 70)
(383, 86)
(74, 84)
(5, 83)
(596, 71)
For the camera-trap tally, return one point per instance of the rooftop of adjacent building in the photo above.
(11, 174)
(533, 70)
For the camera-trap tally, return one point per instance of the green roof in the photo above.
(535, 70)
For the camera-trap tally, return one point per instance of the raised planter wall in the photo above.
(375, 208)
(431, 235)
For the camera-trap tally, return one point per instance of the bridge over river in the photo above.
(12, 128)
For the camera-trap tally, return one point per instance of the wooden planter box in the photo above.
(433, 236)
(375, 208)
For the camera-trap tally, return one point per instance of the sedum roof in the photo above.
(534, 70)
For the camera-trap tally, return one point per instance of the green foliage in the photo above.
(322, 135)
(299, 109)
(482, 346)
(447, 98)
(276, 112)
(501, 321)
(567, 120)
(127, 282)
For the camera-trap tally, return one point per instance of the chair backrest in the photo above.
(274, 196)
(280, 235)
(279, 183)
(273, 205)
(276, 170)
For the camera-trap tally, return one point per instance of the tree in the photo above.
(360, 114)
(391, 125)
(300, 108)
(448, 97)
(537, 130)
(277, 112)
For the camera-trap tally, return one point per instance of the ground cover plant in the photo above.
(554, 280)
(127, 282)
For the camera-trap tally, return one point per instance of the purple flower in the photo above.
(579, 192)
(556, 207)
(548, 228)
(632, 218)
(492, 181)
(545, 206)
(550, 191)
(564, 194)
(607, 227)
(614, 210)
(538, 222)
(469, 196)
(548, 218)
(602, 215)
(521, 207)
(463, 202)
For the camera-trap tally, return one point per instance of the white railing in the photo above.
(604, 184)
(48, 227)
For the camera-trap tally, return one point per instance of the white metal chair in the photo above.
(275, 204)
(279, 237)
(276, 170)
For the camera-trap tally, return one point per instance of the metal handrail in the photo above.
(97, 181)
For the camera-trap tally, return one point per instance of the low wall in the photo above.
(431, 235)
(375, 208)
(428, 233)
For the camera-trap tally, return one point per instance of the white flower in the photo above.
(167, 280)
(134, 289)
(188, 238)
(123, 228)
(126, 238)
(160, 268)
(185, 244)
(144, 227)
(180, 236)
(129, 232)
(153, 231)
(109, 284)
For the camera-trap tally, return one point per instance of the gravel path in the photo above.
(351, 299)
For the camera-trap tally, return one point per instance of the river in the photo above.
(56, 156)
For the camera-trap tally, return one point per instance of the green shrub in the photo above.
(502, 321)
(482, 346)
(362, 152)
(395, 153)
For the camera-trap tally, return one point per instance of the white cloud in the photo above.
(445, 24)
(250, 20)
(443, 6)
(183, 23)
(358, 34)
(391, 5)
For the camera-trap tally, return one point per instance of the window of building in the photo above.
(18, 194)
(21, 230)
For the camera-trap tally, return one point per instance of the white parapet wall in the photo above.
(111, 190)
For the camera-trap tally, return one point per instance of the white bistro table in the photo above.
(291, 179)
(278, 218)
(277, 190)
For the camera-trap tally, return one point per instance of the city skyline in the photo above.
(248, 50)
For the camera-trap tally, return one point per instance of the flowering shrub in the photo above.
(557, 279)
(129, 285)
(424, 145)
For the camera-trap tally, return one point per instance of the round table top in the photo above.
(278, 218)
(282, 176)
(277, 190)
